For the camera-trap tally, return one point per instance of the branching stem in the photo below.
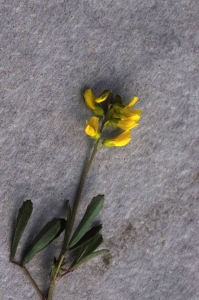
(30, 278)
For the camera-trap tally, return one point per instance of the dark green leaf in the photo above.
(68, 226)
(93, 245)
(50, 232)
(23, 216)
(88, 257)
(92, 211)
(62, 228)
(87, 237)
(78, 255)
(88, 249)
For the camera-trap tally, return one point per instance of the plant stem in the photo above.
(30, 278)
(51, 289)
(74, 212)
(81, 185)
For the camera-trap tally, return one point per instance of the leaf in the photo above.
(93, 245)
(62, 227)
(88, 257)
(88, 249)
(67, 227)
(50, 232)
(78, 255)
(92, 211)
(89, 235)
(22, 219)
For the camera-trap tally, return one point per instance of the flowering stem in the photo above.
(74, 212)
(96, 147)
(84, 175)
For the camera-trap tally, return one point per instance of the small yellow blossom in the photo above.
(92, 128)
(121, 140)
(103, 96)
(91, 101)
(124, 123)
(124, 111)
(128, 123)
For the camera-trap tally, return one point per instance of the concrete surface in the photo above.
(50, 52)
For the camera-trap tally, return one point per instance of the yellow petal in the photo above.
(123, 139)
(102, 97)
(89, 130)
(94, 121)
(132, 102)
(127, 112)
(89, 98)
(127, 124)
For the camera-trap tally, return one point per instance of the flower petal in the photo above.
(89, 130)
(132, 102)
(103, 96)
(89, 98)
(94, 121)
(123, 139)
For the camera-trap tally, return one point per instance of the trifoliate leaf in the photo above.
(22, 219)
(92, 211)
(50, 232)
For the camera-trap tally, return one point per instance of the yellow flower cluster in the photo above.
(115, 114)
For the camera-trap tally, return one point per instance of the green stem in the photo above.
(30, 278)
(96, 147)
(74, 212)
(81, 185)
(51, 290)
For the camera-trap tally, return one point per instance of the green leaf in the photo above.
(89, 235)
(62, 228)
(50, 232)
(93, 245)
(92, 211)
(78, 255)
(88, 257)
(68, 226)
(22, 219)
(88, 249)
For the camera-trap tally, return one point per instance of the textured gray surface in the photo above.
(51, 51)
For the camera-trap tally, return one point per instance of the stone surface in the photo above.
(50, 52)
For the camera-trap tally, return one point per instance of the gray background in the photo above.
(50, 52)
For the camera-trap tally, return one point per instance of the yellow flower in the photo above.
(91, 101)
(103, 96)
(92, 128)
(128, 123)
(124, 123)
(124, 111)
(121, 140)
